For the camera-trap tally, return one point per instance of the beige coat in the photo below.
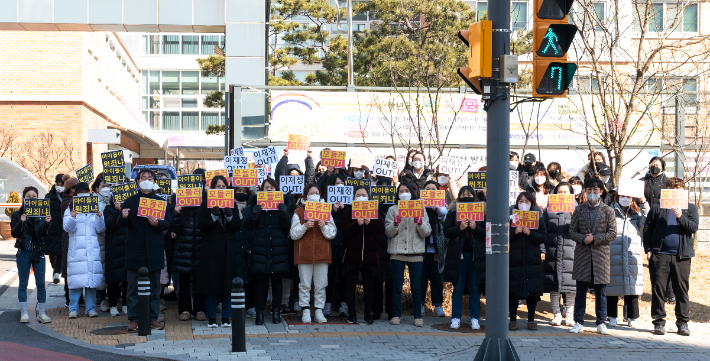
(407, 238)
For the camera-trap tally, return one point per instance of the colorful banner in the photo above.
(470, 211)
(121, 192)
(383, 194)
(385, 168)
(365, 209)
(477, 180)
(317, 211)
(269, 200)
(529, 219)
(88, 204)
(411, 209)
(165, 185)
(114, 175)
(113, 158)
(291, 184)
(188, 197)
(265, 156)
(354, 182)
(152, 207)
(245, 177)
(338, 194)
(222, 198)
(85, 174)
(332, 158)
(36, 207)
(190, 181)
(298, 142)
(433, 198)
(674, 198)
(213, 173)
(560, 203)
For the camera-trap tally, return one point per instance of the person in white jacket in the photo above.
(84, 269)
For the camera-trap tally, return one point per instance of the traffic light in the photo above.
(552, 37)
(478, 38)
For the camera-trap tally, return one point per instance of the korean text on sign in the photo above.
(433, 198)
(151, 207)
(332, 158)
(477, 180)
(35, 207)
(237, 152)
(213, 173)
(411, 209)
(384, 194)
(265, 156)
(89, 204)
(113, 158)
(85, 174)
(189, 197)
(190, 181)
(358, 182)
(469, 211)
(360, 159)
(114, 175)
(245, 177)
(235, 162)
(338, 194)
(291, 184)
(365, 209)
(513, 187)
(560, 203)
(269, 200)
(451, 165)
(529, 219)
(165, 185)
(317, 211)
(222, 198)
(674, 198)
(385, 168)
(122, 192)
(298, 142)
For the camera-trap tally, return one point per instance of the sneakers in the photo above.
(306, 317)
(43, 318)
(56, 278)
(520, 303)
(343, 311)
(569, 318)
(286, 310)
(326, 311)
(612, 321)
(212, 323)
(632, 323)
(369, 320)
(319, 316)
(353, 321)
(455, 323)
(251, 313)
(114, 312)
(296, 307)
(603, 330)
(26, 318)
(418, 322)
(104, 307)
(474, 324)
(226, 323)
(394, 321)
(683, 330)
(201, 316)
(439, 311)
(124, 310)
(577, 328)
(659, 330)
(163, 307)
(93, 313)
(72, 315)
(557, 320)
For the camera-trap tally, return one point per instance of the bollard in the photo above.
(143, 302)
(239, 343)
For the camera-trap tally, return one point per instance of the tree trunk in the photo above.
(618, 168)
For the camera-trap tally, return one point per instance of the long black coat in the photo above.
(408, 176)
(652, 187)
(34, 230)
(270, 243)
(452, 230)
(145, 246)
(186, 252)
(115, 270)
(559, 254)
(53, 241)
(385, 269)
(526, 261)
(218, 252)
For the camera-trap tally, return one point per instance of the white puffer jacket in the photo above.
(84, 269)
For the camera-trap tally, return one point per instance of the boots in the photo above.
(259, 317)
(276, 312)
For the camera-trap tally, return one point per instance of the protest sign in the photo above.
(188, 197)
(411, 209)
(165, 185)
(469, 211)
(87, 204)
(269, 200)
(342, 194)
(152, 207)
(631, 188)
(385, 168)
(113, 158)
(213, 173)
(190, 181)
(245, 177)
(114, 175)
(452, 166)
(674, 198)
(489, 239)
(477, 180)
(265, 156)
(237, 152)
(85, 174)
(222, 198)
(121, 192)
(332, 158)
(298, 142)
(354, 182)
(360, 159)
(433, 198)
(317, 211)
(513, 186)
(291, 184)
(557, 203)
(235, 162)
(384, 194)
(529, 219)
(365, 209)
(37, 207)
(263, 174)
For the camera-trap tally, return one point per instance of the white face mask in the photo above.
(443, 179)
(59, 189)
(417, 164)
(605, 179)
(106, 192)
(313, 197)
(513, 165)
(593, 197)
(625, 202)
(540, 180)
(358, 174)
(146, 185)
(405, 196)
(360, 199)
(524, 206)
(576, 189)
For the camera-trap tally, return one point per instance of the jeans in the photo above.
(261, 284)
(23, 270)
(133, 295)
(431, 275)
(661, 268)
(415, 272)
(316, 275)
(211, 305)
(89, 299)
(467, 276)
(631, 302)
(580, 302)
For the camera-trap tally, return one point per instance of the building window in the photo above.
(190, 44)
(154, 87)
(190, 121)
(208, 44)
(210, 118)
(599, 12)
(155, 120)
(171, 44)
(189, 102)
(171, 82)
(519, 15)
(190, 82)
(171, 121)
(656, 18)
(209, 85)
(690, 18)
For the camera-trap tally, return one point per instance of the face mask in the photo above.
(576, 189)
(106, 192)
(340, 185)
(241, 197)
(313, 197)
(593, 197)
(360, 199)
(146, 185)
(655, 170)
(540, 180)
(418, 164)
(605, 179)
(358, 174)
(554, 174)
(467, 199)
(405, 196)
(513, 165)
(443, 180)
(528, 167)
(625, 202)
(523, 206)
(59, 189)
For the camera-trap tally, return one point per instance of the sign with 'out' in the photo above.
(291, 184)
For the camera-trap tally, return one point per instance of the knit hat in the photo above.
(82, 186)
(69, 181)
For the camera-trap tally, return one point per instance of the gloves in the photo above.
(255, 212)
(215, 211)
(228, 212)
(397, 220)
(282, 209)
(418, 220)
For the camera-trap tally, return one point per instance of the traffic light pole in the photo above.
(496, 345)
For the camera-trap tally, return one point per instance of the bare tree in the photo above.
(7, 138)
(45, 153)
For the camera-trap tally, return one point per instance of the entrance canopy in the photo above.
(196, 146)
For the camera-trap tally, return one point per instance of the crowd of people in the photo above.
(313, 267)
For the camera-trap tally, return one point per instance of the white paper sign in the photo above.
(489, 245)
(631, 188)
(263, 173)
(266, 156)
(451, 165)
(340, 194)
(291, 184)
(235, 162)
(513, 186)
(385, 168)
(237, 152)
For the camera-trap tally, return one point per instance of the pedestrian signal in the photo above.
(552, 38)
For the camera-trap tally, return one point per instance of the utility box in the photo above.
(508, 69)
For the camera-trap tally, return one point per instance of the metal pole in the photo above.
(237, 116)
(350, 43)
(679, 137)
(227, 117)
(239, 343)
(143, 302)
(496, 345)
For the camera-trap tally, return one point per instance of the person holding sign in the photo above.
(53, 241)
(593, 227)
(29, 234)
(312, 254)
(283, 167)
(436, 245)
(115, 266)
(67, 198)
(270, 248)
(336, 279)
(84, 269)
(406, 247)
(418, 173)
(668, 242)
(145, 247)
(540, 186)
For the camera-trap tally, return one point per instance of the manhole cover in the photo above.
(465, 328)
(115, 330)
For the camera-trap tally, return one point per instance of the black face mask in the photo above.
(241, 197)
(554, 174)
(528, 167)
(467, 199)
(655, 170)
